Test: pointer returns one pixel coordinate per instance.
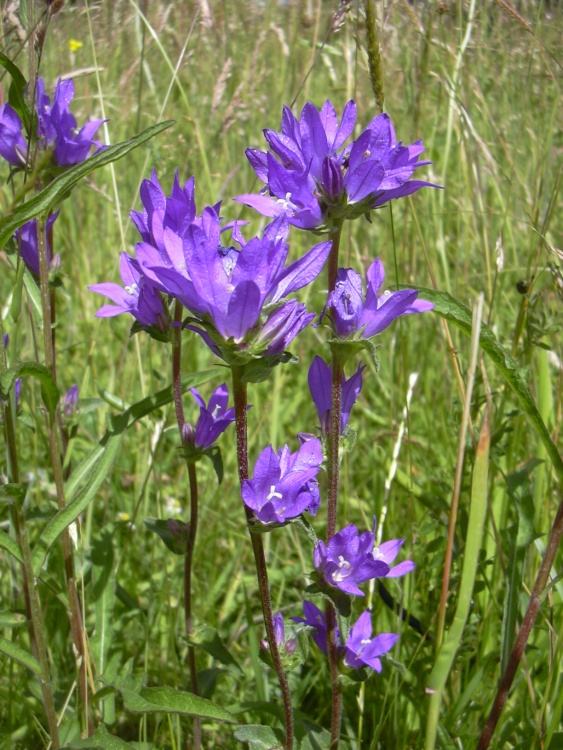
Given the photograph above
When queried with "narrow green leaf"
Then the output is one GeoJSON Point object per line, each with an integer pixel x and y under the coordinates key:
{"type": "Point", "coordinates": [11, 619]}
{"type": "Point", "coordinates": [10, 545]}
{"type": "Point", "coordinates": [103, 594]}
{"type": "Point", "coordinates": [18, 654]}
{"type": "Point", "coordinates": [46, 200]}
{"type": "Point", "coordinates": [449, 308]}
{"type": "Point", "coordinates": [49, 390]}
{"type": "Point", "coordinates": [259, 737]}
{"type": "Point", "coordinates": [17, 89]}
{"type": "Point", "coordinates": [168, 700]}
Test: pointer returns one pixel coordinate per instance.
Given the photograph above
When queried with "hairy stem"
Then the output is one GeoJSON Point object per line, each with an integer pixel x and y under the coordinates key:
{"type": "Point", "coordinates": [76, 625]}
{"type": "Point", "coordinates": [332, 268]}
{"type": "Point", "coordinates": [190, 544]}
{"type": "Point", "coordinates": [240, 399]}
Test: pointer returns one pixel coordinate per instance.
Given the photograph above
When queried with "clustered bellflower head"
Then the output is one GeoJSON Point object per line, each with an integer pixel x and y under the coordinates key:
{"type": "Point", "coordinates": [214, 418]}
{"type": "Point", "coordinates": [320, 385]}
{"type": "Point", "coordinates": [26, 239]}
{"type": "Point", "coordinates": [360, 649]}
{"type": "Point", "coordinates": [56, 129]}
{"type": "Point", "coordinates": [317, 179]}
{"type": "Point", "coordinates": [284, 484]}
{"type": "Point", "coordinates": [353, 317]}
{"type": "Point", "coordinates": [137, 296]}
{"type": "Point", "coordinates": [347, 560]}
{"type": "Point", "coordinates": [236, 295]}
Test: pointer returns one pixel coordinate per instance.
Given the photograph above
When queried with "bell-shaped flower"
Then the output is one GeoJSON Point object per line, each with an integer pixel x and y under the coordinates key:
{"type": "Point", "coordinates": [284, 485]}
{"type": "Point", "coordinates": [26, 238]}
{"type": "Point", "coordinates": [320, 385]}
{"type": "Point", "coordinates": [361, 650]}
{"type": "Point", "coordinates": [352, 315]}
{"type": "Point", "coordinates": [70, 401]}
{"type": "Point", "coordinates": [316, 620]}
{"type": "Point", "coordinates": [316, 180]}
{"type": "Point", "coordinates": [13, 147]}
{"type": "Point", "coordinates": [235, 293]}
{"type": "Point", "coordinates": [347, 560]}
{"type": "Point", "coordinates": [214, 418]}
{"type": "Point", "coordinates": [137, 296]}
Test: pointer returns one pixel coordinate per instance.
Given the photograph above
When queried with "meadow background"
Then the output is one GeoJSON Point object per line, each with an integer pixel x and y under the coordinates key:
{"type": "Point", "coordinates": [480, 82]}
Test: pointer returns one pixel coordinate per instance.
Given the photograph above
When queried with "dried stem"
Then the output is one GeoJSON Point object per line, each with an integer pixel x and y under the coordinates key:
{"type": "Point", "coordinates": [240, 399]}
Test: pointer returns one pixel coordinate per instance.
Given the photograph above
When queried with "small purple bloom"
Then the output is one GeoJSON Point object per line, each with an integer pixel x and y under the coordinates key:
{"type": "Point", "coordinates": [26, 238]}
{"type": "Point", "coordinates": [320, 385]}
{"type": "Point", "coordinates": [316, 180]}
{"type": "Point", "coordinates": [284, 484]}
{"type": "Point", "coordinates": [70, 401]}
{"type": "Point", "coordinates": [348, 561]}
{"type": "Point", "coordinates": [315, 619]}
{"type": "Point", "coordinates": [214, 418]}
{"type": "Point", "coordinates": [137, 296]}
{"type": "Point", "coordinates": [351, 315]}
{"type": "Point", "coordinates": [361, 650]}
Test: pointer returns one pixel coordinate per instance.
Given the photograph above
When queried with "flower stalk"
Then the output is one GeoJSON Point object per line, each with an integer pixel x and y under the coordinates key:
{"type": "Point", "coordinates": [241, 402]}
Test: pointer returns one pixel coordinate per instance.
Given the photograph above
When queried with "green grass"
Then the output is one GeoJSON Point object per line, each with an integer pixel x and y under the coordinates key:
{"type": "Point", "coordinates": [488, 114]}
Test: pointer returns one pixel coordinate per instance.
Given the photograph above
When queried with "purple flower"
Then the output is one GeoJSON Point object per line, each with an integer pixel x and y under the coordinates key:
{"type": "Point", "coordinates": [236, 294]}
{"type": "Point", "coordinates": [26, 238]}
{"type": "Point", "coordinates": [18, 383]}
{"type": "Point", "coordinates": [361, 650]}
{"type": "Point", "coordinates": [214, 418]}
{"type": "Point", "coordinates": [70, 401]}
{"type": "Point", "coordinates": [284, 484]}
{"type": "Point", "coordinates": [137, 296]}
{"type": "Point", "coordinates": [320, 385]}
{"type": "Point", "coordinates": [348, 561]}
{"type": "Point", "coordinates": [387, 552]}
{"type": "Point", "coordinates": [288, 646]}
{"type": "Point", "coordinates": [56, 129]}
{"type": "Point", "coordinates": [351, 315]}
{"type": "Point", "coordinates": [317, 180]}
{"type": "Point", "coordinates": [13, 147]}
{"type": "Point", "coordinates": [315, 619]}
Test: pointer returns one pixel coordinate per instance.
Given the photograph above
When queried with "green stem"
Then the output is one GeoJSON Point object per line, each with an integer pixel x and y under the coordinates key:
{"type": "Point", "coordinates": [240, 399]}
{"type": "Point", "coordinates": [76, 625]}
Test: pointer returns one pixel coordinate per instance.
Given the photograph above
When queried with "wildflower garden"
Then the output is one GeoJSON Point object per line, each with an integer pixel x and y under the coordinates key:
{"type": "Point", "coordinates": [281, 375]}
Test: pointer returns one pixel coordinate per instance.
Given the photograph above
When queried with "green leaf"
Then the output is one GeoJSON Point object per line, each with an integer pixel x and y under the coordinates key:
{"type": "Point", "coordinates": [49, 390]}
{"type": "Point", "coordinates": [167, 700]}
{"type": "Point", "coordinates": [10, 493]}
{"type": "Point", "coordinates": [18, 654]}
{"type": "Point", "coordinates": [260, 737]}
{"type": "Point", "coordinates": [449, 308]}
{"type": "Point", "coordinates": [173, 533]}
{"type": "Point", "coordinates": [11, 619]}
{"type": "Point", "coordinates": [208, 639]}
{"type": "Point", "coordinates": [46, 200]}
{"type": "Point", "coordinates": [100, 740]}
{"type": "Point", "coordinates": [10, 545]}
{"type": "Point", "coordinates": [17, 89]}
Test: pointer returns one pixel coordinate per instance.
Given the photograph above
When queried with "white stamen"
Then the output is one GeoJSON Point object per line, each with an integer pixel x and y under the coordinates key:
{"type": "Point", "coordinates": [131, 289]}
{"type": "Point", "coordinates": [273, 493]}
{"type": "Point", "coordinates": [343, 565]}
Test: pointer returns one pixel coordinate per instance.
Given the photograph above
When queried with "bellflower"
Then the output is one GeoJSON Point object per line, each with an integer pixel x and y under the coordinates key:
{"type": "Point", "coordinates": [137, 296]}
{"type": "Point", "coordinates": [387, 552]}
{"type": "Point", "coordinates": [285, 647]}
{"type": "Point", "coordinates": [70, 401]}
{"type": "Point", "coordinates": [236, 294]}
{"type": "Point", "coordinates": [26, 238]}
{"type": "Point", "coordinates": [317, 180]}
{"type": "Point", "coordinates": [284, 484]}
{"type": "Point", "coordinates": [214, 418]}
{"type": "Point", "coordinates": [316, 620]}
{"type": "Point", "coordinates": [56, 129]}
{"type": "Point", "coordinates": [320, 385]}
{"type": "Point", "coordinates": [351, 315]}
{"type": "Point", "coordinates": [361, 650]}
{"type": "Point", "coordinates": [347, 560]}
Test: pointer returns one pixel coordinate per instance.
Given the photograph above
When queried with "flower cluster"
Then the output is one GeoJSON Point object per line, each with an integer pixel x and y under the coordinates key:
{"type": "Point", "coordinates": [318, 179]}
{"type": "Point", "coordinates": [360, 649]}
